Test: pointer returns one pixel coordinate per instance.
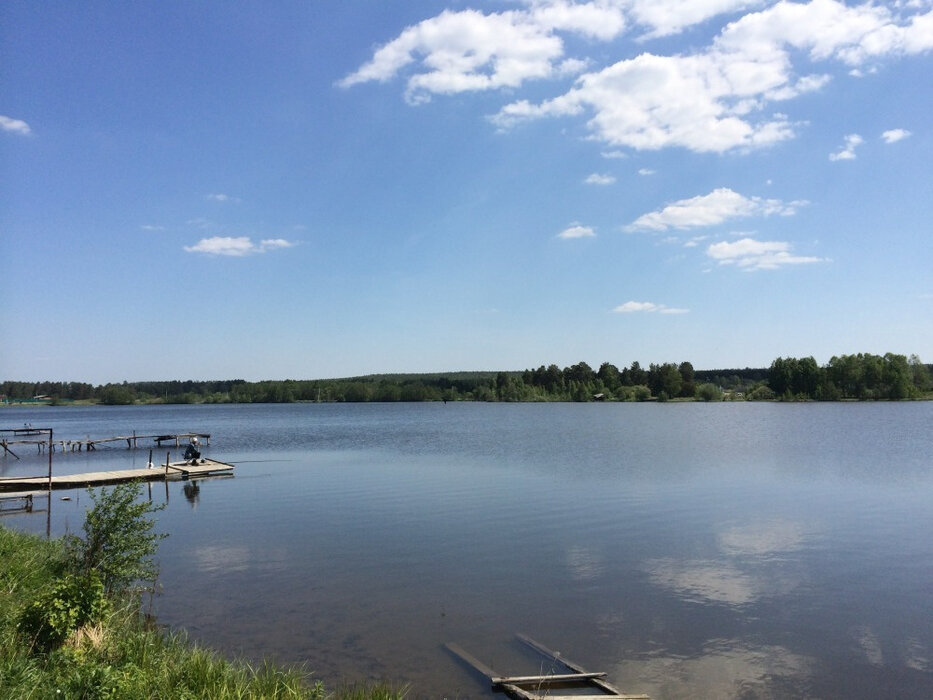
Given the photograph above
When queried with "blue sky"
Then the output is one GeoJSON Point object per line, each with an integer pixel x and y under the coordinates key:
{"type": "Point", "coordinates": [320, 189]}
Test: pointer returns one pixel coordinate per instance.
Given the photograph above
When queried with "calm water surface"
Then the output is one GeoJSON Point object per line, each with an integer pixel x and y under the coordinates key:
{"type": "Point", "coordinates": [689, 550]}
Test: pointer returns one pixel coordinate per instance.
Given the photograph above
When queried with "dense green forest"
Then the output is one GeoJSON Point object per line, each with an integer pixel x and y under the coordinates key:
{"type": "Point", "coordinates": [862, 377]}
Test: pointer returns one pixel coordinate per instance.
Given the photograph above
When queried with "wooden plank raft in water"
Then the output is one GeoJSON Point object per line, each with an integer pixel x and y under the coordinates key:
{"type": "Point", "coordinates": [159, 472]}
{"type": "Point", "coordinates": [542, 687]}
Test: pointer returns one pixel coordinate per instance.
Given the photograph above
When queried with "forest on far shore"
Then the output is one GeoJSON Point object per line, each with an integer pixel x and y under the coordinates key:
{"type": "Point", "coordinates": [861, 377]}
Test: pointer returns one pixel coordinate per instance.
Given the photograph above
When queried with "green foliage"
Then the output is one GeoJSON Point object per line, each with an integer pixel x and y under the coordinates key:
{"type": "Point", "coordinates": [116, 395]}
{"type": "Point", "coordinates": [760, 393]}
{"type": "Point", "coordinates": [708, 392]}
{"type": "Point", "coordinates": [862, 376]}
{"type": "Point", "coordinates": [72, 602]}
{"type": "Point", "coordinates": [688, 379]}
{"type": "Point", "coordinates": [665, 379]}
{"type": "Point", "coordinates": [119, 541]}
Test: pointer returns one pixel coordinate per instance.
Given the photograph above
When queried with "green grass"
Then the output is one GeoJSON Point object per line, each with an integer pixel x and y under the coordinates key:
{"type": "Point", "coordinates": [121, 656]}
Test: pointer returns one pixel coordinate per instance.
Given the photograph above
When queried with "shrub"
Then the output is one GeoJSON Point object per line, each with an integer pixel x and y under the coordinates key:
{"type": "Point", "coordinates": [641, 392]}
{"type": "Point", "coordinates": [761, 393]}
{"type": "Point", "coordinates": [72, 602]}
{"type": "Point", "coordinates": [118, 539]}
{"type": "Point", "coordinates": [709, 392]}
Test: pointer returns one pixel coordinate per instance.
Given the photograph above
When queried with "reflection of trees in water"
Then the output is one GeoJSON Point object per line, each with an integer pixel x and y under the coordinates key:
{"type": "Point", "coordinates": [192, 492]}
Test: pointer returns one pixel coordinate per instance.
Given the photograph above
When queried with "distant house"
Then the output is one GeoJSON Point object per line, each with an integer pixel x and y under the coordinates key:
{"type": "Point", "coordinates": [599, 397]}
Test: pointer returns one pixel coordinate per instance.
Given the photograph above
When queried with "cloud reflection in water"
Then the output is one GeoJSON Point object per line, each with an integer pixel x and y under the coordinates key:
{"type": "Point", "coordinates": [752, 565]}
{"type": "Point", "coordinates": [723, 669]}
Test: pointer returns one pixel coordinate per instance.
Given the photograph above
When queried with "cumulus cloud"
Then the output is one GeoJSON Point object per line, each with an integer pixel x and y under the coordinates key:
{"type": "Point", "coordinates": [598, 179]}
{"type": "Point", "coordinates": [847, 152]}
{"type": "Point", "coordinates": [645, 171]}
{"type": "Point", "coordinates": [632, 307]}
{"type": "Point", "coordinates": [462, 51]}
{"type": "Point", "coordinates": [714, 100]}
{"type": "Point", "coordinates": [666, 17]}
{"type": "Point", "coordinates": [895, 135]}
{"type": "Point", "coordinates": [238, 246]}
{"type": "Point", "coordinates": [469, 51]}
{"type": "Point", "coordinates": [699, 102]}
{"type": "Point", "coordinates": [750, 254]}
{"type": "Point", "coordinates": [717, 207]}
{"type": "Point", "coordinates": [577, 231]}
{"type": "Point", "coordinates": [14, 126]}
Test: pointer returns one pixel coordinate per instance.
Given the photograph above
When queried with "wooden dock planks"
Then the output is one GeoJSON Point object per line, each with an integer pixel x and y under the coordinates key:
{"type": "Point", "coordinates": [542, 687]}
{"type": "Point", "coordinates": [132, 441]}
{"type": "Point", "coordinates": [160, 472]}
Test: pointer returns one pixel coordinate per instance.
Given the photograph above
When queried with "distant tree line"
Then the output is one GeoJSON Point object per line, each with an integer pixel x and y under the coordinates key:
{"type": "Point", "coordinates": [862, 376]}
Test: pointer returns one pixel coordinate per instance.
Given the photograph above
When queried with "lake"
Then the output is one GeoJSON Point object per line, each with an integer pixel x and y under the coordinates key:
{"type": "Point", "coordinates": [728, 550]}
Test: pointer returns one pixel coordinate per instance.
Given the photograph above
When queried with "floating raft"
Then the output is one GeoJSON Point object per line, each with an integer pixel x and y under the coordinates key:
{"type": "Point", "coordinates": [171, 471]}
{"type": "Point", "coordinates": [542, 687]}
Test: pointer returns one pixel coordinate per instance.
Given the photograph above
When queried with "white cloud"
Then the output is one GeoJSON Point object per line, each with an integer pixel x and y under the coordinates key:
{"type": "Point", "coordinates": [631, 307]}
{"type": "Point", "coordinates": [598, 179]}
{"type": "Point", "coordinates": [602, 20]}
{"type": "Point", "coordinates": [895, 135]}
{"type": "Point", "coordinates": [238, 246]}
{"type": "Point", "coordinates": [749, 254]}
{"type": "Point", "coordinates": [14, 126]}
{"type": "Point", "coordinates": [471, 51]}
{"type": "Point", "coordinates": [848, 150]}
{"type": "Point", "coordinates": [667, 17]}
{"type": "Point", "coordinates": [712, 209]}
{"type": "Point", "coordinates": [645, 171]}
{"type": "Point", "coordinates": [273, 243]}
{"type": "Point", "coordinates": [152, 227]}
{"type": "Point", "coordinates": [714, 100]}
{"type": "Point", "coordinates": [220, 197]}
{"type": "Point", "coordinates": [700, 102]}
{"type": "Point", "coordinates": [831, 29]}
{"type": "Point", "coordinates": [577, 231]}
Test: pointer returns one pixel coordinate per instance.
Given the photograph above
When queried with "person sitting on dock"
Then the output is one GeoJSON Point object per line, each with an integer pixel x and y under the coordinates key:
{"type": "Point", "coordinates": [192, 454]}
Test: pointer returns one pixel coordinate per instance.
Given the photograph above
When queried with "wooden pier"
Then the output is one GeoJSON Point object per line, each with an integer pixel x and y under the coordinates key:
{"type": "Point", "coordinates": [542, 686]}
{"type": "Point", "coordinates": [21, 502]}
{"type": "Point", "coordinates": [132, 441]}
{"type": "Point", "coordinates": [169, 471]}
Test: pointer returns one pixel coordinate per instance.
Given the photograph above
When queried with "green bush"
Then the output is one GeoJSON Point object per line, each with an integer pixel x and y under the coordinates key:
{"type": "Point", "coordinates": [119, 541]}
{"type": "Point", "coordinates": [709, 392]}
{"type": "Point", "coordinates": [641, 392]}
{"type": "Point", "coordinates": [761, 393]}
{"type": "Point", "coordinates": [72, 602]}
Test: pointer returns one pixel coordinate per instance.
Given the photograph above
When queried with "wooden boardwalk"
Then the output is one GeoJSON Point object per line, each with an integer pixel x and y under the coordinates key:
{"type": "Point", "coordinates": [160, 472]}
{"type": "Point", "coordinates": [543, 686]}
{"type": "Point", "coordinates": [89, 444]}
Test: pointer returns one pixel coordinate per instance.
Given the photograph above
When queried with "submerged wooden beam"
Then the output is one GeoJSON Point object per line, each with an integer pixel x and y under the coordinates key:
{"type": "Point", "coordinates": [550, 678]}
{"type": "Point", "coordinates": [544, 683]}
